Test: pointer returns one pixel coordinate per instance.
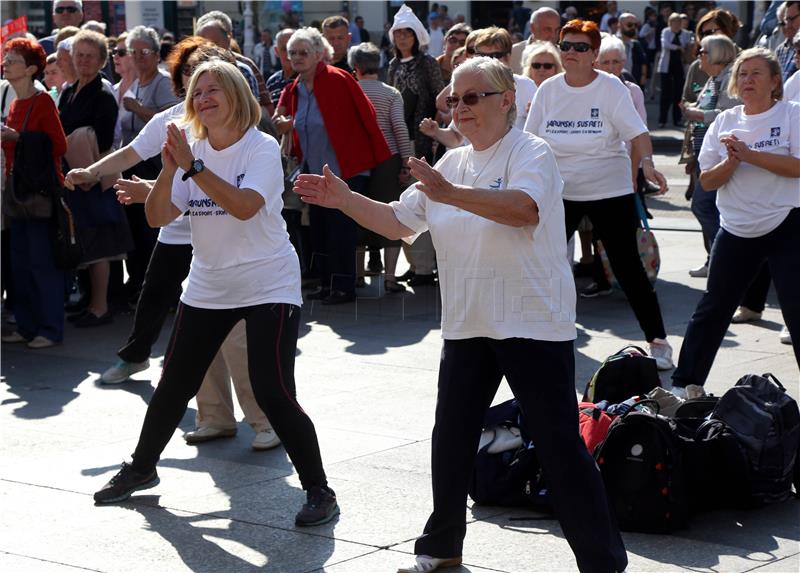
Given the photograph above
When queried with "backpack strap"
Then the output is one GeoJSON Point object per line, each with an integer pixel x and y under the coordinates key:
{"type": "Point", "coordinates": [771, 377]}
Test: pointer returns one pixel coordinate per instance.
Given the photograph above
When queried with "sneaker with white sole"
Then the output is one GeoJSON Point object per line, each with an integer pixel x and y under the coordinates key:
{"type": "Point", "coordinates": [122, 370]}
{"type": "Point", "coordinates": [426, 564]}
{"type": "Point", "coordinates": [594, 290]}
{"type": "Point", "coordinates": [744, 314]}
{"type": "Point", "coordinates": [785, 336]}
{"type": "Point", "coordinates": [127, 481]}
{"type": "Point", "coordinates": [266, 440]}
{"type": "Point", "coordinates": [662, 352]}
{"type": "Point", "coordinates": [14, 337]}
{"type": "Point", "coordinates": [688, 392]}
{"type": "Point", "coordinates": [207, 434]}
{"type": "Point", "coordinates": [41, 342]}
{"type": "Point", "coordinates": [699, 272]}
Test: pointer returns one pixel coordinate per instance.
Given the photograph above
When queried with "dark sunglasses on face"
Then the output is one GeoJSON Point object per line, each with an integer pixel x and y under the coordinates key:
{"type": "Point", "coordinates": [471, 98]}
{"type": "Point", "coordinates": [579, 47]}
{"type": "Point", "coordinates": [710, 31]}
{"type": "Point", "coordinates": [143, 51]}
{"type": "Point", "coordinates": [537, 66]}
{"type": "Point", "coordinates": [121, 52]}
{"type": "Point", "coordinates": [67, 9]}
{"type": "Point", "coordinates": [495, 55]}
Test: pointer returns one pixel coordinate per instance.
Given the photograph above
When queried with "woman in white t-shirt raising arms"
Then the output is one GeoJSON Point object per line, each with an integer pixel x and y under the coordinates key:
{"type": "Point", "coordinates": [586, 116]}
{"type": "Point", "coordinates": [495, 215]}
{"type": "Point", "coordinates": [751, 156]}
{"type": "Point", "coordinates": [230, 180]}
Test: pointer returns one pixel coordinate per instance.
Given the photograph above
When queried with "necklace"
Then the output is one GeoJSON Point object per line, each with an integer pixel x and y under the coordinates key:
{"type": "Point", "coordinates": [478, 176]}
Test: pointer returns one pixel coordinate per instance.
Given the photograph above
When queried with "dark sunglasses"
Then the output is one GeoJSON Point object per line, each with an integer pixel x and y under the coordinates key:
{"type": "Point", "coordinates": [495, 55]}
{"type": "Point", "coordinates": [579, 47]}
{"type": "Point", "coordinates": [709, 32]}
{"type": "Point", "coordinates": [67, 9]}
{"type": "Point", "coordinates": [300, 53]}
{"type": "Point", "coordinates": [471, 98]}
{"type": "Point", "coordinates": [121, 52]}
{"type": "Point", "coordinates": [538, 66]}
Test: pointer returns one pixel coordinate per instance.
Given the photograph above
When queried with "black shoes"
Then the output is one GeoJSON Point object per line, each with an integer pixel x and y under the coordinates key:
{"type": "Point", "coordinates": [127, 481]}
{"type": "Point", "coordinates": [90, 319]}
{"type": "Point", "coordinates": [422, 280]}
{"type": "Point", "coordinates": [339, 297]}
{"type": "Point", "coordinates": [320, 507]}
{"type": "Point", "coordinates": [318, 293]}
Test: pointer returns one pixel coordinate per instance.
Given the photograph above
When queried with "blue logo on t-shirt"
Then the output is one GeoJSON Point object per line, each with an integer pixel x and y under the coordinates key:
{"type": "Point", "coordinates": [775, 132]}
{"type": "Point", "coordinates": [496, 184]}
{"type": "Point", "coordinates": [239, 179]}
{"type": "Point", "coordinates": [595, 113]}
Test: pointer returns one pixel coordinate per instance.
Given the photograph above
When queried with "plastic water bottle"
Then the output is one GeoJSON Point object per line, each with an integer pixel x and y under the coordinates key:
{"type": "Point", "coordinates": [54, 93]}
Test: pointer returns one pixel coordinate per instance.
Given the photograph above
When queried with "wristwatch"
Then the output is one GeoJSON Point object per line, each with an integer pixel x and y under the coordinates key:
{"type": "Point", "coordinates": [197, 167]}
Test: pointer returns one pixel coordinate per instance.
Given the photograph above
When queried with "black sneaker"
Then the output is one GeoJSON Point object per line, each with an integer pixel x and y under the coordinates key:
{"type": "Point", "coordinates": [320, 507]}
{"type": "Point", "coordinates": [595, 290]}
{"type": "Point", "coordinates": [122, 485]}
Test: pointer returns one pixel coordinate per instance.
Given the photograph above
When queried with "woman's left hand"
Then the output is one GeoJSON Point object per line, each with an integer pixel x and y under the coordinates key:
{"type": "Point", "coordinates": [431, 182]}
{"type": "Point", "coordinates": [178, 147]}
{"type": "Point", "coordinates": [653, 176]}
{"type": "Point", "coordinates": [737, 149]}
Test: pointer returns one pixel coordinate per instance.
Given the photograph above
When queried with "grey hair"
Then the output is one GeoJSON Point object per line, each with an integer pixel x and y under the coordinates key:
{"type": "Point", "coordinates": [720, 49]}
{"type": "Point", "coordinates": [365, 57]}
{"type": "Point", "coordinates": [215, 17]}
{"type": "Point", "coordinates": [90, 37]}
{"type": "Point", "coordinates": [609, 44]}
{"type": "Point", "coordinates": [78, 4]}
{"type": "Point", "coordinates": [498, 75]}
{"type": "Point", "coordinates": [314, 39]}
{"type": "Point", "coordinates": [283, 33]}
{"type": "Point", "coordinates": [95, 26]}
{"type": "Point", "coordinates": [144, 34]}
{"type": "Point", "coordinates": [536, 48]}
{"type": "Point", "coordinates": [543, 11]}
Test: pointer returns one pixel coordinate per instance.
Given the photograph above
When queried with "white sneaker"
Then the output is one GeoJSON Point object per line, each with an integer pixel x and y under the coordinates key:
{"type": "Point", "coordinates": [41, 342]}
{"type": "Point", "coordinates": [122, 370]}
{"type": "Point", "coordinates": [426, 563]}
{"type": "Point", "coordinates": [699, 272]}
{"type": "Point", "coordinates": [689, 392]}
{"type": "Point", "coordinates": [785, 337]}
{"type": "Point", "coordinates": [266, 440]}
{"type": "Point", "coordinates": [207, 434]}
{"type": "Point", "coordinates": [662, 352]}
{"type": "Point", "coordinates": [744, 314]}
{"type": "Point", "coordinates": [678, 391]}
{"type": "Point", "coordinates": [14, 337]}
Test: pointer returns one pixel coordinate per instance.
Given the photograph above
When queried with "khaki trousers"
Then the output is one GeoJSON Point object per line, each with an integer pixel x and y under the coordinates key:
{"type": "Point", "coordinates": [421, 254]}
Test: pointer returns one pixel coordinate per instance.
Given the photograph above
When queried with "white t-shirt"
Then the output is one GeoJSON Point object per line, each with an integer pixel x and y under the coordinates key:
{"type": "Point", "coordinates": [148, 143]}
{"type": "Point", "coordinates": [791, 89]}
{"type": "Point", "coordinates": [526, 89]}
{"type": "Point", "coordinates": [755, 201]}
{"type": "Point", "coordinates": [239, 263]}
{"type": "Point", "coordinates": [587, 129]}
{"type": "Point", "coordinates": [499, 281]}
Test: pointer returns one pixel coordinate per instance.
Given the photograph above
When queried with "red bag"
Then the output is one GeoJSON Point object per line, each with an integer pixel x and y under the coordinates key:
{"type": "Point", "coordinates": [594, 424]}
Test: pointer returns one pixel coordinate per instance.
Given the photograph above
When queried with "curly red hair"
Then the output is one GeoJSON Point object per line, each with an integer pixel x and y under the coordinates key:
{"type": "Point", "coordinates": [31, 52]}
{"type": "Point", "coordinates": [585, 27]}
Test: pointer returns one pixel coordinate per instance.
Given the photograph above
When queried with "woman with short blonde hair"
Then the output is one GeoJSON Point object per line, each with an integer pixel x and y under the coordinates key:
{"type": "Point", "coordinates": [243, 268]}
{"type": "Point", "coordinates": [546, 56]}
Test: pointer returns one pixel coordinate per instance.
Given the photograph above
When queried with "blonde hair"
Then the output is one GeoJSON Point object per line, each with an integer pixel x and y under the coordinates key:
{"type": "Point", "coordinates": [245, 111]}
{"type": "Point", "coordinates": [494, 36]}
{"type": "Point", "coordinates": [536, 48]}
{"type": "Point", "coordinates": [94, 38]}
{"type": "Point", "coordinates": [772, 64]}
{"type": "Point", "coordinates": [498, 75]}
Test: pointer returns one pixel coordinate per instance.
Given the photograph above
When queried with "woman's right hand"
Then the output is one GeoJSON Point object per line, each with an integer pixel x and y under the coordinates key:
{"type": "Point", "coordinates": [326, 190]}
{"type": "Point", "coordinates": [168, 163]}
{"type": "Point", "coordinates": [79, 177]}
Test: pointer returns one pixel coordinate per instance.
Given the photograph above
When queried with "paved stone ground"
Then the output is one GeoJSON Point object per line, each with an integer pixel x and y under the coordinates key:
{"type": "Point", "coordinates": [367, 375]}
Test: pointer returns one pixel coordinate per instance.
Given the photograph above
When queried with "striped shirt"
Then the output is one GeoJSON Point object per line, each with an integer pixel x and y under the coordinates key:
{"type": "Point", "coordinates": [388, 104]}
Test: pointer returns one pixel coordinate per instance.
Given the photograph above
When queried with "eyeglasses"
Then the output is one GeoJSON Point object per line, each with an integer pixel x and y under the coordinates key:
{"type": "Point", "coordinates": [120, 52]}
{"type": "Point", "coordinates": [495, 55]}
{"type": "Point", "coordinates": [471, 98]}
{"type": "Point", "coordinates": [7, 61]}
{"type": "Point", "coordinates": [454, 39]}
{"type": "Point", "coordinates": [788, 20]}
{"type": "Point", "coordinates": [709, 32]}
{"type": "Point", "coordinates": [538, 66]}
{"type": "Point", "coordinates": [299, 53]}
{"type": "Point", "coordinates": [579, 47]}
{"type": "Point", "coordinates": [67, 9]}
{"type": "Point", "coordinates": [143, 51]}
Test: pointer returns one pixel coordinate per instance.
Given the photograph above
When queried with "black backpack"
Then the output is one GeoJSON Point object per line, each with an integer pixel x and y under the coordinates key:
{"type": "Point", "coordinates": [766, 422]}
{"type": "Point", "coordinates": [642, 467]}
{"type": "Point", "coordinates": [629, 372]}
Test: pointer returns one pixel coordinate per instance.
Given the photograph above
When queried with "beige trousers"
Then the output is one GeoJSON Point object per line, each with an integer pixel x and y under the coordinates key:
{"type": "Point", "coordinates": [214, 400]}
{"type": "Point", "coordinates": [421, 254]}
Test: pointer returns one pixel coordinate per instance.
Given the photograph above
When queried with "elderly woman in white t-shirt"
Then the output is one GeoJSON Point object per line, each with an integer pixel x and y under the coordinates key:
{"type": "Point", "coordinates": [751, 156]}
{"type": "Point", "coordinates": [587, 116]}
{"type": "Point", "coordinates": [230, 180]}
{"type": "Point", "coordinates": [496, 218]}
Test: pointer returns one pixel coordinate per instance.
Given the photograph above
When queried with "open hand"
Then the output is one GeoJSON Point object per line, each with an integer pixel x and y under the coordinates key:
{"type": "Point", "coordinates": [178, 147]}
{"type": "Point", "coordinates": [431, 182]}
{"type": "Point", "coordinates": [428, 127]}
{"type": "Point", "coordinates": [133, 190]}
{"type": "Point", "coordinates": [326, 190]}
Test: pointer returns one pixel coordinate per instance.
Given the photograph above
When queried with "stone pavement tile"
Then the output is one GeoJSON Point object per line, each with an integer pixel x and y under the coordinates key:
{"type": "Point", "coordinates": [387, 561]}
{"type": "Point", "coordinates": [789, 564]}
{"type": "Point", "coordinates": [138, 537]}
{"type": "Point", "coordinates": [22, 564]}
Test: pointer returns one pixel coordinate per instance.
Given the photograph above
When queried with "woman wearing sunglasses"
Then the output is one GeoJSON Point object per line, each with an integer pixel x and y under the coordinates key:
{"type": "Point", "coordinates": [540, 61]}
{"type": "Point", "coordinates": [494, 211]}
{"type": "Point", "coordinates": [123, 67]}
{"type": "Point", "coordinates": [586, 116]}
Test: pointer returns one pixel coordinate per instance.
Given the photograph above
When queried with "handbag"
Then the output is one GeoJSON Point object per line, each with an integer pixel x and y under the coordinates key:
{"type": "Point", "coordinates": [648, 248]}
{"type": "Point", "coordinates": [64, 240]}
{"type": "Point", "coordinates": [291, 170]}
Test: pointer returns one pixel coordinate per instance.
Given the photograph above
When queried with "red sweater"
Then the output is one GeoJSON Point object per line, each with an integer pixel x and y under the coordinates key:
{"type": "Point", "coordinates": [349, 119]}
{"type": "Point", "coordinates": [44, 117]}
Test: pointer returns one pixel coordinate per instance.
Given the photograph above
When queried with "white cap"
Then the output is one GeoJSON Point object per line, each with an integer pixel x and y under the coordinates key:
{"type": "Point", "coordinates": [405, 18]}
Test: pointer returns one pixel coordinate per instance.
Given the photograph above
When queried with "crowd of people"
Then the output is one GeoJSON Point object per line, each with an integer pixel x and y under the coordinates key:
{"type": "Point", "coordinates": [237, 188]}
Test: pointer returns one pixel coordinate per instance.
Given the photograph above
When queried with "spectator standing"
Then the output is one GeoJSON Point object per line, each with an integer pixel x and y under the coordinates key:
{"type": "Point", "coordinates": [791, 89]}
{"type": "Point", "coordinates": [282, 77]}
{"type": "Point", "coordinates": [53, 78]}
{"type": "Point", "coordinates": [611, 12]}
{"type": "Point", "coordinates": [436, 34]}
{"type": "Point", "coordinates": [543, 27]}
{"type": "Point", "coordinates": [789, 25]}
{"type": "Point", "coordinates": [455, 38]}
{"type": "Point", "coordinates": [123, 66]}
{"type": "Point", "coordinates": [336, 30]}
{"type": "Point", "coordinates": [363, 33]}
{"type": "Point", "coordinates": [541, 61]}
{"type": "Point", "coordinates": [264, 55]}
{"type": "Point", "coordinates": [65, 13]}
{"type": "Point", "coordinates": [635, 56]}
{"type": "Point", "coordinates": [519, 18]}
{"type": "Point", "coordinates": [674, 40]}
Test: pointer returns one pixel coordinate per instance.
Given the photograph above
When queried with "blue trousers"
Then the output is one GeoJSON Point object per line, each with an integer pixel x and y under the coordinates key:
{"type": "Point", "coordinates": [734, 263]}
{"type": "Point", "coordinates": [38, 284]}
{"type": "Point", "coordinates": [704, 207]}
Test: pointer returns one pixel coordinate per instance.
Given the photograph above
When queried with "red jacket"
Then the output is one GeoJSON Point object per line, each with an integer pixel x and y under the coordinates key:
{"type": "Point", "coordinates": [349, 119]}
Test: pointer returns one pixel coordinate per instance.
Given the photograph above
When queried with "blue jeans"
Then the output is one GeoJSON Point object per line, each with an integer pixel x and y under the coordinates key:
{"type": "Point", "coordinates": [704, 207]}
{"type": "Point", "coordinates": [734, 263]}
{"type": "Point", "coordinates": [38, 284]}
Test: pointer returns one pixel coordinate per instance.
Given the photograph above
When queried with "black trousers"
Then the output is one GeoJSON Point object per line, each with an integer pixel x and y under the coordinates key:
{"type": "Point", "coordinates": [271, 346]}
{"type": "Point", "coordinates": [671, 90]}
{"type": "Point", "coordinates": [542, 376]}
{"type": "Point", "coordinates": [169, 265]}
{"type": "Point", "coordinates": [734, 263]}
{"type": "Point", "coordinates": [334, 237]}
{"type": "Point", "coordinates": [615, 221]}
{"type": "Point", "coordinates": [145, 238]}
{"type": "Point", "coordinates": [755, 298]}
